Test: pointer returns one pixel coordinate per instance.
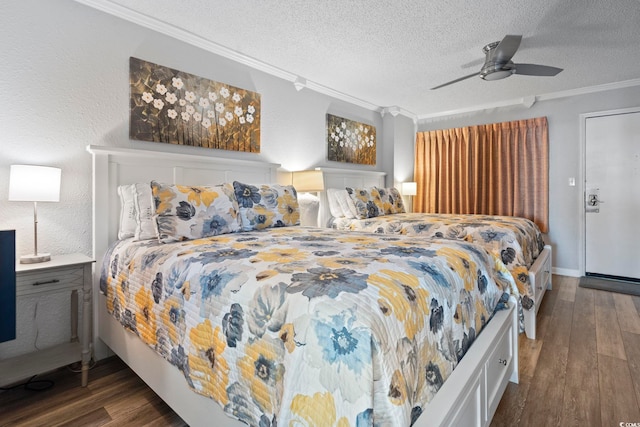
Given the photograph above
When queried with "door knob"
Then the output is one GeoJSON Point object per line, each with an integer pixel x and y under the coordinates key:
{"type": "Point", "coordinates": [593, 200]}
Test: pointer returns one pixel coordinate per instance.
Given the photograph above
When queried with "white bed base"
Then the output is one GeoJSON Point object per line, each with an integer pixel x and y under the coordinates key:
{"type": "Point", "coordinates": [469, 397]}
{"type": "Point", "coordinates": [540, 279]}
{"type": "Point", "coordinates": [539, 273]}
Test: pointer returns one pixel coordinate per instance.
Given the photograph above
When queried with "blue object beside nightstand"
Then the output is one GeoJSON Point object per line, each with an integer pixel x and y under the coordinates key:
{"type": "Point", "coordinates": [7, 285]}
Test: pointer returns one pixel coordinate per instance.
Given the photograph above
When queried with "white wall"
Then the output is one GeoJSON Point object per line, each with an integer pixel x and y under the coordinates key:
{"type": "Point", "coordinates": [65, 81]}
{"type": "Point", "coordinates": [565, 150]}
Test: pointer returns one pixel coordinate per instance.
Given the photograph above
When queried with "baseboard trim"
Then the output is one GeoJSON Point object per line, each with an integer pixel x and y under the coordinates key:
{"type": "Point", "coordinates": [566, 272]}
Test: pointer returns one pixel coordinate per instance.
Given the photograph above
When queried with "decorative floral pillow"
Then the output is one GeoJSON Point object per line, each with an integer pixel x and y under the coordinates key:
{"type": "Point", "coordinates": [269, 205]}
{"type": "Point", "coordinates": [391, 200]}
{"type": "Point", "coordinates": [367, 202]}
{"type": "Point", "coordinates": [184, 213]}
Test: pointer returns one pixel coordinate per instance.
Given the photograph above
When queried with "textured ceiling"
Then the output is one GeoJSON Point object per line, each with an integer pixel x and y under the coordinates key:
{"type": "Point", "coordinates": [390, 53]}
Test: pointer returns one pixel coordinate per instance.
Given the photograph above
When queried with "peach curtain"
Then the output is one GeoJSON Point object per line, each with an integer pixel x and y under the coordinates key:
{"type": "Point", "coordinates": [492, 169]}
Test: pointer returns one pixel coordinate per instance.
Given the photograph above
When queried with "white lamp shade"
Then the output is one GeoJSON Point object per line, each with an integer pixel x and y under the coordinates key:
{"type": "Point", "coordinates": [28, 183]}
{"type": "Point", "coordinates": [409, 189]}
{"type": "Point", "coordinates": [308, 181]}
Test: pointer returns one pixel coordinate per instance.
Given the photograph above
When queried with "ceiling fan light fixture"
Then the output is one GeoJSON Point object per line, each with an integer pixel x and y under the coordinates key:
{"type": "Point", "coordinates": [496, 75]}
{"type": "Point", "coordinates": [497, 71]}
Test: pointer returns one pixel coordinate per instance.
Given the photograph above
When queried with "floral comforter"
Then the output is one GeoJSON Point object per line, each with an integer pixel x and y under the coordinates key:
{"type": "Point", "coordinates": [311, 326]}
{"type": "Point", "coordinates": [517, 241]}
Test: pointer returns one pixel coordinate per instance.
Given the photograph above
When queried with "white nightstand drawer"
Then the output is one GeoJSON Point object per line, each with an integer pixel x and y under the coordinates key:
{"type": "Point", "coordinates": [52, 280]}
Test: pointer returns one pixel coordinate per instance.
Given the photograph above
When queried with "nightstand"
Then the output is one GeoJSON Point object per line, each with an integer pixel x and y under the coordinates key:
{"type": "Point", "coordinates": [63, 273]}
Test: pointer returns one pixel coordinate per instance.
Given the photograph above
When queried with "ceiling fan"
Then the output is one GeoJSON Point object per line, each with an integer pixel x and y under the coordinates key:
{"type": "Point", "coordinates": [498, 64]}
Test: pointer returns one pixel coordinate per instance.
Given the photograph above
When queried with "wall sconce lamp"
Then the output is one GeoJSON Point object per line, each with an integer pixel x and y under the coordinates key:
{"type": "Point", "coordinates": [35, 184]}
{"type": "Point", "coordinates": [409, 189]}
{"type": "Point", "coordinates": [306, 182]}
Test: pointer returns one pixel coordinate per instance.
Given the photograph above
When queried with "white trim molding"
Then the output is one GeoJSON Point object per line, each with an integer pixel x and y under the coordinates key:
{"type": "Point", "coordinates": [528, 101]}
{"type": "Point", "coordinates": [566, 272]}
{"type": "Point", "coordinates": [195, 40]}
{"type": "Point", "coordinates": [299, 82]}
{"type": "Point", "coordinates": [582, 241]}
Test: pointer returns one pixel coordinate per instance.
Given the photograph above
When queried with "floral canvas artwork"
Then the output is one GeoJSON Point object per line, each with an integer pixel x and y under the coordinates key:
{"type": "Point", "coordinates": [175, 107]}
{"type": "Point", "coordinates": [350, 141]}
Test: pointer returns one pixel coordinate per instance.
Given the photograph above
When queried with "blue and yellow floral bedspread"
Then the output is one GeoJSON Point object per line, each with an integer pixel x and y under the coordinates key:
{"type": "Point", "coordinates": [517, 241]}
{"type": "Point", "coordinates": [310, 326]}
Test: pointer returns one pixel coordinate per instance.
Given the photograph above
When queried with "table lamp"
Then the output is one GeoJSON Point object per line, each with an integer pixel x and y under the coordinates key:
{"type": "Point", "coordinates": [30, 183]}
{"type": "Point", "coordinates": [409, 189]}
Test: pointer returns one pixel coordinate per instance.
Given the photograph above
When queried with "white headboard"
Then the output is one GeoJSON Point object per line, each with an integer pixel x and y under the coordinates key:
{"type": "Point", "coordinates": [117, 166]}
{"type": "Point", "coordinates": [341, 178]}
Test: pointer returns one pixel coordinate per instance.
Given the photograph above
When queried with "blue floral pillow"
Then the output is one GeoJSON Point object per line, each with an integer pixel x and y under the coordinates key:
{"type": "Point", "coordinates": [184, 213]}
{"type": "Point", "coordinates": [391, 200]}
{"type": "Point", "coordinates": [269, 205]}
{"type": "Point", "coordinates": [367, 202]}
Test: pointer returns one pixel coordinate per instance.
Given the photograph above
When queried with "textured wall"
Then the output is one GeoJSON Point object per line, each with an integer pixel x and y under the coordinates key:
{"type": "Point", "coordinates": [65, 76]}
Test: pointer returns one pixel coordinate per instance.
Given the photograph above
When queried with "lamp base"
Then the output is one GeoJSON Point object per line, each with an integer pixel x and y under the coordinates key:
{"type": "Point", "coordinates": [33, 259]}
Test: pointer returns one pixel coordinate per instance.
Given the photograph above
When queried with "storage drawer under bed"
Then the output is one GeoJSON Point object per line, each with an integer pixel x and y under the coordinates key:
{"type": "Point", "coordinates": [497, 368]}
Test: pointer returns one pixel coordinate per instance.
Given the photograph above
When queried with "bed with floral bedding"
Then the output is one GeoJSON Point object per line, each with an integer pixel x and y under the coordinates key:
{"type": "Point", "coordinates": [517, 241]}
{"type": "Point", "coordinates": [297, 325]}
{"type": "Point", "coordinates": [216, 289]}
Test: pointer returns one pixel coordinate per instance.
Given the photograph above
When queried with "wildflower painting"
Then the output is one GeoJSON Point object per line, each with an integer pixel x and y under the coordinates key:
{"type": "Point", "coordinates": [351, 142]}
{"type": "Point", "coordinates": [175, 107]}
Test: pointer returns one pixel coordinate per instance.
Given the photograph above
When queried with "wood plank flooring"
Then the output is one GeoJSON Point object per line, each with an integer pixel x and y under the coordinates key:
{"type": "Point", "coordinates": [115, 396]}
{"type": "Point", "coordinates": [583, 370]}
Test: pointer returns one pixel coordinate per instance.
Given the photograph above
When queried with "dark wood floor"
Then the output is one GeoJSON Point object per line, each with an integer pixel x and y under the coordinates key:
{"type": "Point", "coordinates": [583, 370]}
{"type": "Point", "coordinates": [115, 396]}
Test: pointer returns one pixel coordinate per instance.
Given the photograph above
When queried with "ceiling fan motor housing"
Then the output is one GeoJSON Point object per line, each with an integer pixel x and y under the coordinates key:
{"type": "Point", "coordinates": [495, 70]}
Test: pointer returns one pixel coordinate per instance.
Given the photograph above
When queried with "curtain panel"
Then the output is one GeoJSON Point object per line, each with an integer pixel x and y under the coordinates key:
{"type": "Point", "coordinates": [491, 169]}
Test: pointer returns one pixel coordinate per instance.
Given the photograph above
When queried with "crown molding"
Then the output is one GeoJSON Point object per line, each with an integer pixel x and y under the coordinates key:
{"type": "Point", "coordinates": [300, 83]}
{"type": "Point", "coordinates": [590, 89]}
{"type": "Point", "coordinates": [167, 29]}
{"type": "Point", "coordinates": [395, 110]}
{"type": "Point", "coordinates": [528, 101]}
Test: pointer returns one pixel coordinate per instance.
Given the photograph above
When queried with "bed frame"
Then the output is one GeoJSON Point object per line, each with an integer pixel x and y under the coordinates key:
{"type": "Point", "coordinates": [539, 273]}
{"type": "Point", "coordinates": [470, 395]}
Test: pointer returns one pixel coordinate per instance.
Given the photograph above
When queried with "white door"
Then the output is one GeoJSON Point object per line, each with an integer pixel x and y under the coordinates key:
{"type": "Point", "coordinates": [612, 196]}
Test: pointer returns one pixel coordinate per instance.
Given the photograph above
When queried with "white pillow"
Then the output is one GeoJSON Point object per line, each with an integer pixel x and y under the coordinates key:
{"type": "Point", "coordinates": [309, 206]}
{"type": "Point", "coordinates": [347, 205]}
{"type": "Point", "coordinates": [145, 213]}
{"type": "Point", "coordinates": [127, 211]}
{"type": "Point", "coordinates": [334, 205]}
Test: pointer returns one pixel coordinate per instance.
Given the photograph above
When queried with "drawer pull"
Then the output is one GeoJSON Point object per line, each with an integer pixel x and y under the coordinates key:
{"type": "Point", "coordinates": [46, 283]}
{"type": "Point", "coordinates": [502, 362]}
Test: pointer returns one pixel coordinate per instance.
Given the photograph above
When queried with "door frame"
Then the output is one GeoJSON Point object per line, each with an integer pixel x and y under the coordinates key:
{"type": "Point", "coordinates": [582, 264]}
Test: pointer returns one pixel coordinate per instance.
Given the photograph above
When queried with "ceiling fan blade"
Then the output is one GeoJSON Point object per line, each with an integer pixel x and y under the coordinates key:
{"type": "Point", "coordinates": [506, 49]}
{"type": "Point", "coordinates": [537, 70]}
{"type": "Point", "coordinates": [455, 81]}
